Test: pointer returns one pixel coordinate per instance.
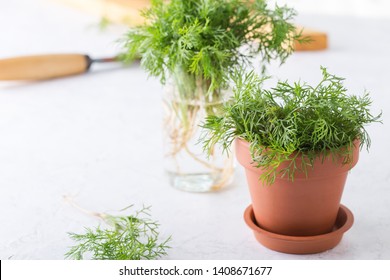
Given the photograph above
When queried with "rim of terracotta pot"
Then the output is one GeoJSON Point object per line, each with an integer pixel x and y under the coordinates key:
{"type": "Point", "coordinates": [301, 244]}
{"type": "Point", "coordinates": [299, 174]}
{"type": "Point", "coordinates": [246, 143]}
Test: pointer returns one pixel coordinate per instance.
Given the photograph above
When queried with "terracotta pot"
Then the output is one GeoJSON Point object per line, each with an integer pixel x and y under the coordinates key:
{"type": "Point", "coordinates": [306, 206]}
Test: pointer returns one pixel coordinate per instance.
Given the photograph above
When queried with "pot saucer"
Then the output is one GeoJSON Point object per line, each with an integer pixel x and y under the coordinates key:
{"type": "Point", "coordinates": [301, 244]}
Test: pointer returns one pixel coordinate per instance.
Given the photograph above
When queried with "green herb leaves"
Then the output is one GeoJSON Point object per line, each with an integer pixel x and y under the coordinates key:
{"type": "Point", "coordinates": [205, 37]}
{"type": "Point", "coordinates": [128, 238]}
{"type": "Point", "coordinates": [291, 120]}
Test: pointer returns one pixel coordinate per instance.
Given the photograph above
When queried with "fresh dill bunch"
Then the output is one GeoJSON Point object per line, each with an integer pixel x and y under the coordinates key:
{"type": "Point", "coordinates": [291, 120]}
{"type": "Point", "coordinates": [205, 38]}
{"type": "Point", "coordinates": [133, 237]}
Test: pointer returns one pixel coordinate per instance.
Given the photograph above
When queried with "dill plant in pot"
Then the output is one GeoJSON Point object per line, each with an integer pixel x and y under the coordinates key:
{"type": "Point", "coordinates": [297, 143]}
{"type": "Point", "coordinates": [193, 46]}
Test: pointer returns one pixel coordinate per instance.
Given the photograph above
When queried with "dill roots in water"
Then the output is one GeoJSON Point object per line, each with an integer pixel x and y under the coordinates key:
{"type": "Point", "coordinates": [291, 120]}
{"type": "Point", "coordinates": [127, 238]}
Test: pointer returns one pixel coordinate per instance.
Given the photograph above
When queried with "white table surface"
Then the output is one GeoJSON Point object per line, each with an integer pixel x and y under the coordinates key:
{"type": "Point", "coordinates": [96, 138]}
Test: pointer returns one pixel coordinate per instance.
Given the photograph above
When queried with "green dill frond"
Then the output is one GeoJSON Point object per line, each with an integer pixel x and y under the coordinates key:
{"type": "Point", "coordinates": [126, 238]}
{"type": "Point", "coordinates": [205, 37]}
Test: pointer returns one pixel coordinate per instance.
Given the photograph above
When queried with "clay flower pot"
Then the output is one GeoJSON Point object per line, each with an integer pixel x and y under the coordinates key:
{"type": "Point", "coordinates": [307, 206]}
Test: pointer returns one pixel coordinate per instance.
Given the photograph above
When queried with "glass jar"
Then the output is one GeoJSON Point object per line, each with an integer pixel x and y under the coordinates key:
{"type": "Point", "coordinates": [188, 100]}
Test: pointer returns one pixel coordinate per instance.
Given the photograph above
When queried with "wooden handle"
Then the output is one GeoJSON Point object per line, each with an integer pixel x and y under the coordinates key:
{"type": "Point", "coordinates": [318, 40]}
{"type": "Point", "coordinates": [43, 67]}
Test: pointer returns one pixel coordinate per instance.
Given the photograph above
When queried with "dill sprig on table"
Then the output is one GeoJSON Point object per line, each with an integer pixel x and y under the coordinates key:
{"type": "Point", "coordinates": [133, 237]}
